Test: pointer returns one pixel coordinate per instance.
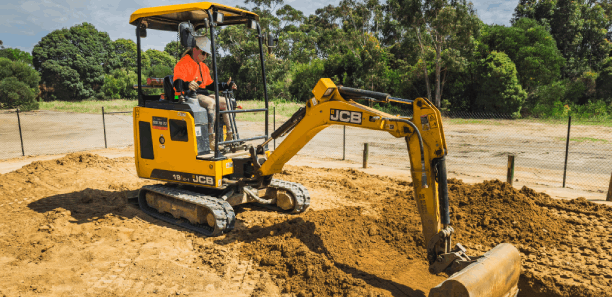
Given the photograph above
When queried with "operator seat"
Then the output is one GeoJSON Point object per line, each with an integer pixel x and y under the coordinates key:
{"type": "Point", "coordinates": [169, 88]}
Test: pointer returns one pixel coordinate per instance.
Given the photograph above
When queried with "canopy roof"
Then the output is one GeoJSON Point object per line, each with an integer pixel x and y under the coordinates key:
{"type": "Point", "coordinates": [168, 17]}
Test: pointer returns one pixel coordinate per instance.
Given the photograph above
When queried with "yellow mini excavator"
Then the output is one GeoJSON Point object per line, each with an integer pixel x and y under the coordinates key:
{"type": "Point", "coordinates": [203, 184]}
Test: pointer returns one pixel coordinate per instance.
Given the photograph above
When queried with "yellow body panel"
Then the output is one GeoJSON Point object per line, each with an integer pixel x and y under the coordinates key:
{"type": "Point", "coordinates": [173, 11]}
{"type": "Point", "coordinates": [176, 156]}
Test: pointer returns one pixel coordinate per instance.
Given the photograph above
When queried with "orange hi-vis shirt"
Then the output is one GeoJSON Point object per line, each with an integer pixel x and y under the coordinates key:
{"type": "Point", "coordinates": [187, 69]}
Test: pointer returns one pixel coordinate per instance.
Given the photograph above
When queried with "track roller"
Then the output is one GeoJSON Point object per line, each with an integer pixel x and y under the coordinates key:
{"type": "Point", "coordinates": [204, 214]}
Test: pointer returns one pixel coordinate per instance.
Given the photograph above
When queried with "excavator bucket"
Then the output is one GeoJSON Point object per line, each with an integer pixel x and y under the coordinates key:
{"type": "Point", "coordinates": [495, 274]}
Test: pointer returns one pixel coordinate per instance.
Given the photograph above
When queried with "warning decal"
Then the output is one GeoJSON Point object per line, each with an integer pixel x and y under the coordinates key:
{"type": "Point", "coordinates": [160, 123]}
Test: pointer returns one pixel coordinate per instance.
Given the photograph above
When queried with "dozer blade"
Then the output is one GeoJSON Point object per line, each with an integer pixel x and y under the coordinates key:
{"type": "Point", "coordinates": [495, 274]}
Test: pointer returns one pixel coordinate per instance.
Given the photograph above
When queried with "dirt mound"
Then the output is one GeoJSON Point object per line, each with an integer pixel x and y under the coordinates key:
{"type": "Point", "coordinates": [493, 212]}
{"type": "Point", "coordinates": [42, 178]}
{"type": "Point", "coordinates": [547, 232]}
{"type": "Point", "coordinates": [67, 229]}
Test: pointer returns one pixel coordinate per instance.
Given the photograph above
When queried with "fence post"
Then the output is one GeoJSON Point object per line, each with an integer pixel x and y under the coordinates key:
{"type": "Point", "coordinates": [609, 197]}
{"type": "Point", "coordinates": [274, 124]}
{"type": "Point", "coordinates": [104, 125]}
{"type": "Point", "coordinates": [569, 125]}
{"type": "Point", "coordinates": [20, 135]}
{"type": "Point", "coordinates": [344, 143]}
{"type": "Point", "coordinates": [510, 176]}
{"type": "Point", "coordinates": [366, 152]}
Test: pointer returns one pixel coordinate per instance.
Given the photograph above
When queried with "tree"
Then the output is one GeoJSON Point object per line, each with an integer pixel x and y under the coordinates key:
{"type": "Point", "coordinates": [441, 25]}
{"type": "Point", "coordinates": [500, 90]}
{"type": "Point", "coordinates": [540, 10]}
{"type": "Point", "coordinates": [162, 64]}
{"type": "Point", "coordinates": [118, 84]}
{"type": "Point", "coordinates": [604, 81]}
{"type": "Point", "coordinates": [126, 55]}
{"type": "Point", "coordinates": [532, 49]}
{"type": "Point", "coordinates": [578, 26]}
{"type": "Point", "coordinates": [71, 61]}
{"type": "Point", "coordinates": [15, 93]}
{"type": "Point", "coordinates": [20, 70]}
{"type": "Point", "coordinates": [174, 49]}
{"type": "Point", "coordinates": [15, 54]}
{"type": "Point", "coordinates": [18, 85]}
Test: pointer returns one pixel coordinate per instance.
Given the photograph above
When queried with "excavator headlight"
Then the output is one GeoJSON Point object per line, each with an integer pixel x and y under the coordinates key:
{"type": "Point", "coordinates": [324, 88]}
{"type": "Point", "coordinates": [252, 24]}
{"type": "Point", "coordinates": [218, 17]}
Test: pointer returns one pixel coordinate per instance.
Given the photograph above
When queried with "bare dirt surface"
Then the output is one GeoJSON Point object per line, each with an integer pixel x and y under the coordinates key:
{"type": "Point", "coordinates": [66, 229]}
{"type": "Point", "coordinates": [477, 148]}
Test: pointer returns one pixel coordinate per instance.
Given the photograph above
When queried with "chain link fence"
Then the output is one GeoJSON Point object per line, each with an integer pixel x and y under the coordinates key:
{"type": "Point", "coordinates": [49, 132]}
{"type": "Point", "coordinates": [478, 144]}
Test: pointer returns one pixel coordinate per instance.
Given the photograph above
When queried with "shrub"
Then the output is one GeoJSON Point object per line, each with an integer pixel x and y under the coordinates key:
{"type": "Point", "coordinates": [15, 93]}
{"type": "Point", "coordinates": [18, 85]}
{"type": "Point", "coordinates": [305, 77]}
{"type": "Point", "coordinates": [500, 90]}
{"type": "Point", "coordinates": [118, 84]}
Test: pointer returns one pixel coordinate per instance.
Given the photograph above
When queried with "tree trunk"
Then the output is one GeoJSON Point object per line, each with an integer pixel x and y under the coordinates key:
{"type": "Point", "coordinates": [438, 90]}
{"type": "Point", "coordinates": [427, 80]}
{"type": "Point", "coordinates": [424, 65]}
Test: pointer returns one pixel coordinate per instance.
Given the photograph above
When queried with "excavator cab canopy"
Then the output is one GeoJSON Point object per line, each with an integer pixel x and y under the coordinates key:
{"type": "Point", "coordinates": [168, 17]}
{"type": "Point", "coordinates": [202, 15]}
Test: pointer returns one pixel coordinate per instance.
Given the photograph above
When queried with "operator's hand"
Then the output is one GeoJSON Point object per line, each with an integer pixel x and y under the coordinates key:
{"type": "Point", "coordinates": [193, 85]}
{"type": "Point", "coordinates": [232, 84]}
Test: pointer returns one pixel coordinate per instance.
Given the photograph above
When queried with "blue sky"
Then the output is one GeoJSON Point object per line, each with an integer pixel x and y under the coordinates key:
{"type": "Point", "coordinates": [24, 23]}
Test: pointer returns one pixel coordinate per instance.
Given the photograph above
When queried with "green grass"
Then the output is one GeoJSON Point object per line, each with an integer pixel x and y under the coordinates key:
{"type": "Point", "coordinates": [90, 106]}
{"type": "Point", "coordinates": [457, 121]}
{"type": "Point", "coordinates": [584, 139]}
{"type": "Point", "coordinates": [462, 121]}
{"type": "Point", "coordinates": [284, 109]}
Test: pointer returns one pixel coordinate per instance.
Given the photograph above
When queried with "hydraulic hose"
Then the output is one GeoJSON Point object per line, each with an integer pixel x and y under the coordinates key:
{"type": "Point", "coordinates": [424, 173]}
{"type": "Point", "coordinates": [440, 165]}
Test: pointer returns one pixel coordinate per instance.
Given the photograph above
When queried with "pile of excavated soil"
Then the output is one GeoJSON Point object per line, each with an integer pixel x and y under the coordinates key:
{"type": "Point", "coordinates": [66, 229]}
{"type": "Point", "coordinates": [564, 244]}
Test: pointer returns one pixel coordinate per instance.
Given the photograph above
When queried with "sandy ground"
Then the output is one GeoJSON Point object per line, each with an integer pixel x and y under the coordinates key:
{"type": "Point", "coordinates": [477, 149]}
{"type": "Point", "coordinates": [9, 165]}
{"type": "Point", "coordinates": [68, 231]}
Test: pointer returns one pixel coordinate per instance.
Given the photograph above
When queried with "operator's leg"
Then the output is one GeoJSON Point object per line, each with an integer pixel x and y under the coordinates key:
{"type": "Point", "coordinates": [226, 116]}
{"type": "Point", "coordinates": [208, 103]}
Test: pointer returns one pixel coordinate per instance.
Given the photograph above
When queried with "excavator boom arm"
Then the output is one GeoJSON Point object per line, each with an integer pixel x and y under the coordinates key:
{"type": "Point", "coordinates": [424, 136]}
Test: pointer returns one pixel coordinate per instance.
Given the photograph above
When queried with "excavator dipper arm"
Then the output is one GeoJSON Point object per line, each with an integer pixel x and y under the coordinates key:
{"type": "Point", "coordinates": [498, 270]}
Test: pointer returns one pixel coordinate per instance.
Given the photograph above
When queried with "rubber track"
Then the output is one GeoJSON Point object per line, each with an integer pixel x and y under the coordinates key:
{"type": "Point", "coordinates": [302, 197]}
{"type": "Point", "coordinates": [223, 212]}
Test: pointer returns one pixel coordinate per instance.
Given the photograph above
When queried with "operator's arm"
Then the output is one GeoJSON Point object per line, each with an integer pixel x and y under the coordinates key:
{"type": "Point", "coordinates": [222, 86]}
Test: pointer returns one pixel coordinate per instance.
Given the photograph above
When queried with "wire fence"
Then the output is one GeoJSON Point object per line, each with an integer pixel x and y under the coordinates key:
{"type": "Point", "coordinates": [478, 144]}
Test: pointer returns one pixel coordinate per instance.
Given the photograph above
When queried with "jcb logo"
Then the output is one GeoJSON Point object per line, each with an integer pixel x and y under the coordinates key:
{"type": "Point", "coordinates": [202, 179]}
{"type": "Point", "coordinates": [346, 116]}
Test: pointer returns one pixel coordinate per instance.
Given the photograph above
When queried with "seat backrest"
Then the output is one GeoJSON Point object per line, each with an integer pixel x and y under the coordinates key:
{"type": "Point", "coordinates": [169, 87]}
